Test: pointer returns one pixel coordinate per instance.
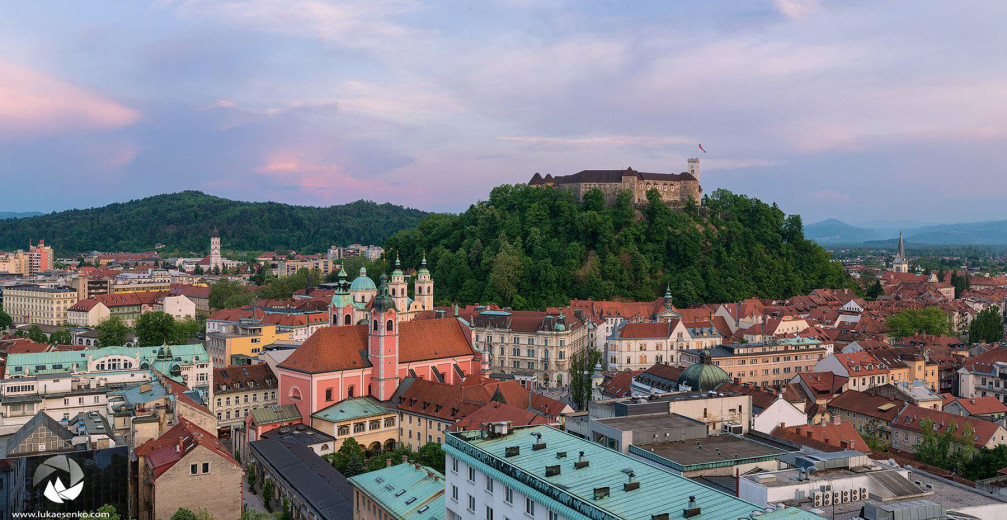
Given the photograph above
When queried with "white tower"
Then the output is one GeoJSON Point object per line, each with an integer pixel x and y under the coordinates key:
{"type": "Point", "coordinates": [694, 167]}
{"type": "Point", "coordinates": [215, 249]}
{"type": "Point", "coordinates": [424, 287]}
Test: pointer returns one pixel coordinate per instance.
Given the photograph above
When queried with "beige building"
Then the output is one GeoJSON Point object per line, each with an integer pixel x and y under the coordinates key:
{"type": "Point", "coordinates": [237, 390]}
{"type": "Point", "coordinates": [288, 267]}
{"type": "Point", "coordinates": [372, 425]}
{"type": "Point", "coordinates": [186, 467]}
{"type": "Point", "coordinates": [37, 304]}
{"type": "Point", "coordinates": [765, 364]}
{"type": "Point", "coordinates": [535, 347]}
{"type": "Point", "coordinates": [87, 313]}
{"type": "Point", "coordinates": [675, 188]}
{"type": "Point", "coordinates": [245, 338]}
{"type": "Point", "coordinates": [638, 346]}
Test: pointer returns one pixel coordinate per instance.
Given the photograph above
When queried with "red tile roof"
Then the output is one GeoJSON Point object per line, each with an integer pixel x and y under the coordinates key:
{"type": "Point", "coordinates": [839, 436]}
{"type": "Point", "coordinates": [191, 291]}
{"type": "Point", "coordinates": [619, 384]}
{"type": "Point", "coordinates": [984, 362]}
{"type": "Point", "coordinates": [241, 378]}
{"type": "Point", "coordinates": [647, 330]}
{"type": "Point", "coordinates": [492, 412]}
{"type": "Point", "coordinates": [824, 383]}
{"type": "Point", "coordinates": [868, 364]}
{"type": "Point", "coordinates": [868, 405]}
{"type": "Point", "coordinates": [163, 452]}
{"type": "Point", "coordinates": [331, 349]}
{"type": "Point", "coordinates": [28, 347]}
{"type": "Point", "coordinates": [981, 405]}
{"type": "Point", "coordinates": [83, 305]}
{"type": "Point", "coordinates": [912, 418]}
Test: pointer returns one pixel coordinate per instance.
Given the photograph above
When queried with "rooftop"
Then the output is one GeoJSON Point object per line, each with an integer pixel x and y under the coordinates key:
{"type": "Point", "coordinates": [710, 452]}
{"type": "Point", "coordinates": [651, 421]}
{"type": "Point", "coordinates": [319, 484]}
{"type": "Point", "coordinates": [351, 409]}
{"type": "Point", "coordinates": [598, 489]}
{"type": "Point", "coordinates": [405, 490]}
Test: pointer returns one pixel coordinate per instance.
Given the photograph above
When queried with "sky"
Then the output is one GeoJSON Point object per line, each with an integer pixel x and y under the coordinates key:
{"type": "Point", "coordinates": [862, 111]}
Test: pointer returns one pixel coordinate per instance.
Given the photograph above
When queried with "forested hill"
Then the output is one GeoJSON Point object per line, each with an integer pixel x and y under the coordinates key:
{"type": "Point", "coordinates": [183, 222]}
{"type": "Point", "coordinates": [530, 247]}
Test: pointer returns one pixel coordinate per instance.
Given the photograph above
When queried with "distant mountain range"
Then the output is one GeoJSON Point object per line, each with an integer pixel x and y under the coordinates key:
{"type": "Point", "coordinates": [835, 232]}
{"type": "Point", "coordinates": [22, 214]}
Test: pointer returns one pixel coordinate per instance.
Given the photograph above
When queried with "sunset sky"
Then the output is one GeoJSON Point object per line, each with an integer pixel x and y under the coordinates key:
{"type": "Point", "coordinates": [855, 110]}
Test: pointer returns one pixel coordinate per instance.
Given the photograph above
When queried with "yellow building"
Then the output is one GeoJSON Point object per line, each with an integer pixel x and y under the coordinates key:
{"type": "Point", "coordinates": [373, 426]}
{"type": "Point", "coordinates": [36, 304]}
{"type": "Point", "coordinates": [243, 338]}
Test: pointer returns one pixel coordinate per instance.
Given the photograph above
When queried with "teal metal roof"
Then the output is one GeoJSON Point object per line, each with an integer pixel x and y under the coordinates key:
{"type": "Point", "coordinates": [275, 413]}
{"type": "Point", "coordinates": [571, 493]}
{"type": "Point", "coordinates": [791, 513]}
{"type": "Point", "coordinates": [161, 358]}
{"type": "Point", "coordinates": [363, 282]}
{"type": "Point", "coordinates": [350, 409]}
{"type": "Point", "coordinates": [141, 393]}
{"type": "Point", "coordinates": [405, 491]}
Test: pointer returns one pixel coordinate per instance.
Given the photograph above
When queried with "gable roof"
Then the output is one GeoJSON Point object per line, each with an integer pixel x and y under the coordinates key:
{"type": "Point", "coordinates": [163, 452]}
{"type": "Point", "coordinates": [333, 349]}
{"type": "Point", "coordinates": [660, 330]}
{"type": "Point", "coordinates": [38, 421]}
{"type": "Point", "coordinates": [619, 384]}
{"type": "Point", "coordinates": [275, 413]}
{"type": "Point", "coordinates": [912, 418]}
{"type": "Point", "coordinates": [877, 407]}
{"type": "Point", "coordinates": [240, 378]}
{"type": "Point", "coordinates": [494, 412]}
{"type": "Point", "coordinates": [834, 436]}
{"type": "Point", "coordinates": [981, 405]}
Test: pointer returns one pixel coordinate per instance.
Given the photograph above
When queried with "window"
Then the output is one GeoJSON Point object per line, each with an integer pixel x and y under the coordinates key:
{"type": "Point", "coordinates": [344, 430]}
{"type": "Point", "coordinates": [529, 507]}
{"type": "Point", "coordinates": [517, 364]}
{"type": "Point", "coordinates": [389, 325]}
{"type": "Point", "coordinates": [193, 469]}
{"type": "Point", "coordinates": [454, 464]}
{"type": "Point", "coordinates": [489, 513]}
{"type": "Point", "coordinates": [531, 352]}
{"type": "Point", "coordinates": [206, 467]}
{"type": "Point", "coordinates": [489, 484]}
{"type": "Point", "coordinates": [472, 474]}
{"type": "Point", "coordinates": [517, 351]}
{"type": "Point", "coordinates": [531, 365]}
{"type": "Point", "coordinates": [359, 427]}
{"type": "Point", "coordinates": [328, 394]}
{"type": "Point", "coordinates": [472, 503]}
{"type": "Point", "coordinates": [531, 341]}
{"type": "Point", "coordinates": [508, 495]}
{"type": "Point", "coordinates": [553, 516]}
{"type": "Point", "coordinates": [454, 493]}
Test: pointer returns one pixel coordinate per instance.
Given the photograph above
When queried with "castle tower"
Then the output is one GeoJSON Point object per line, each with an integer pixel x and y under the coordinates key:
{"type": "Point", "coordinates": [424, 286]}
{"type": "Point", "coordinates": [900, 265]}
{"type": "Point", "coordinates": [383, 344]}
{"type": "Point", "coordinates": [694, 167]}
{"type": "Point", "coordinates": [398, 287]}
{"type": "Point", "coordinates": [215, 249]}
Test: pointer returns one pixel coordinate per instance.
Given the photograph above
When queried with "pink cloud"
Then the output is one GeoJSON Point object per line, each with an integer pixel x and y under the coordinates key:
{"type": "Point", "coordinates": [35, 103]}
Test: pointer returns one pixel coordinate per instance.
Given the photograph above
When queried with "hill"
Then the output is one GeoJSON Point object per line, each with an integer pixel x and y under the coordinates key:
{"type": "Point", "coordinates": [833, 231]}
{"type": "Point", "coordinates": [531, 247]}
{"type": "Point", "coordinates": [16, 214]}
{"type": "Point", "coordinates": [183, 222]}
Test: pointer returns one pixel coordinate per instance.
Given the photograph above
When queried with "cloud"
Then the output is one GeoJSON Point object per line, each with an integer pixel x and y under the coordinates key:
{"type": "Point", "coordinates": [33, 103]}
{"type": "Point", "coordinates": [796, 9]}
{"type": "Point", "coordinates": [609, 140]}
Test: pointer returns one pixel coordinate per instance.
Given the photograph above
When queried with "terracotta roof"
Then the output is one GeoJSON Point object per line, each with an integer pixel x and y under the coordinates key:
{"type": "Point", "coordinates": [869, 405]}
{"type": "Point", "coordinates": [28, 347]}
{"type": "Point", "coordinates": [984, 362]}
{"type": "Point", "coordinates": [837, 436]}
{"type": "Point", "coordinates": [163, 452]}
{"type": "Point", "coordinates": [664, 371]}
{"type": "Point", "coordinates": [981, 405]}
{"type": "Point", "coordinates": [494, 411]}
{"type": "Point", "coordinates": [241, 378]}
{"type": "Point", "coordinates": [331, 349]}
{"type": "Point", "coordinates": [912, 418]}
{"type": "Point", "coordinates": [647, 330]}
{"type": "Point", "coordinates": [868, 364]}
{"type": "Point", "coordinates": [83, 305]}
{"type": "Point", "coordinates": [824, 383]}
{"type": "Point", "coordinates": [454, 402]}
{"type": "Point", "coordinates": [191, 291]}
{"type": "Point", "coordinates": [129, 299]}
{"type": "Point", "coordinates": [619, 384]}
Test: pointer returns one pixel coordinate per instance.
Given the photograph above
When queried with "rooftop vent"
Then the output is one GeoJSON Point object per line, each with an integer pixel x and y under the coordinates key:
{"type": "Point", "coordinates": [601, 492]}
{"type": "Point", "coordinates": [512, 451]}
{"type": "Point", "coordinates": [582, 463]}
{"type": "Point", "coordinates": [693, 510]}
{"type": "Point", "coordinates": [552, 471]}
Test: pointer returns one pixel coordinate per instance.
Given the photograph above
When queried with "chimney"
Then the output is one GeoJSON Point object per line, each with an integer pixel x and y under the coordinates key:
{"type": "Point", "coordinates": [388, 463]}
{"type": "Point", "coordinates": [836, 419]}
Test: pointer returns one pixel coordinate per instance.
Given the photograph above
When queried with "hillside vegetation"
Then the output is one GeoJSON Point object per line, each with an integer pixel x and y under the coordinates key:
{"type": "Point", "coordinates": [183, 222]}
{"type": "Point", "coordinates": [531, 247]}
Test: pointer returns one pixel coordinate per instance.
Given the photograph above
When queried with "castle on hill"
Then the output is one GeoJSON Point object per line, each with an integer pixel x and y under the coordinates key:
{"type": "Point", "coordinates": [675, 188]}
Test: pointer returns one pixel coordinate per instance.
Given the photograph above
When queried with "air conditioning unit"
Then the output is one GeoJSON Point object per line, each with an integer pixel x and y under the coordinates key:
{"type": "Point", "coordinates": [846, 495]}
{"type": "Point", "coordinates": [863, 494]}
{"type": "Point", "coordinates": [837, 497]}
{"type": "Point", "coordinates": [734, 428]}
{"type": "Point", "coordinates": [855, 495]}
{"type": "Point", "coordinates": [819, 499]}
{"type": "Point", "coordinates": [828, 499]}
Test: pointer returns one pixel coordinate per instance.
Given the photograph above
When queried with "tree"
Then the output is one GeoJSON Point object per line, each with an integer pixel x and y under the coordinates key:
{"type": "Point", "coordinates": [229, 294]}
{"type": "Point", "coordinates": [431, 455]}
{"type": "Point", "coordinates": [198, 270]}
{"type": "Point", "coordinates": [35, 334]}
{"type": "Point", "coordinates": [112, 332]}
{"type": "Point", "coordinates": [107, 512]}
{"type": "Point", "coordinates": [987, 326]}
{"type": "Point", "coordinates": [5, 321]}
{"type": "Point", "coordinates": [951, 449]}
{"type": "Point", "coordinates": [354, 467]}
{"type": "Point", "coordinates": [60, 337]}
{"type": "Point", "coordinates": [155, 328]}
{"type": "Point", "coordinates": [286, 514]}
{"type": "Point", "coordinates": [581, 370]}
{"type": "Point", "coordinates": [251, 478]}
{"type": "Point", "coordinates": [186, 331]}
{"type": "Point", "coordinates": [183, 514]}
{"type": "Point", "coordinates": [351, 448]}
{"type": "Point", "coordinates": [930, 320]}
{"type": "Point", "coordinates": [204, 515]}
{"type": "Point", "coordinates": [962, 283]}
{"type": "Point", "coordinates": [267, 494]}
{"type": "Point", "coordinates": [874, 290]}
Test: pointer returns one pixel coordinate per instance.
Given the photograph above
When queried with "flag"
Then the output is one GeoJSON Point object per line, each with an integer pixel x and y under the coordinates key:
{"type": "Point", "coordinates": [701, 148]}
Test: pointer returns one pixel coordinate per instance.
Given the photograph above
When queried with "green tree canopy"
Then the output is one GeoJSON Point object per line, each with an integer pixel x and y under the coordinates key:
{"type": "Point", "coordinates": [183, 514]}
{"type": "Point", "coordinates": [431, 455]}
{"type": "Point", "coordinates": [60, 337]}
{"type": "Point", "coordinates": [929, 320]}
{"type": "Point", "coordinates": [229, 294]}
{"type": "Point", "coordinates": [112, 332]}
{"type": "Point", "coordinates": [987, 326]}
{"type": "Point", "coordinates": [581, 369]}
{"type": "Point", "coordinates": [5, 321]}
{"type": "Point", "coordinates": [951, 449]}
{"type": "Point", "coordinates": [155, 328]}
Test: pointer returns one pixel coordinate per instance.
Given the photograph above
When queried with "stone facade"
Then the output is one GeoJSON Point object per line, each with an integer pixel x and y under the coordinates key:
{"type": "Point", "coordinates": [675, 189]}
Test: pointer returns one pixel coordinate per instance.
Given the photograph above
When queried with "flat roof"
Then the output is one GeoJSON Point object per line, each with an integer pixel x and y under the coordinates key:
{"type": "Point", "coordinates": [648, 421]}
{"type": "Point", "coordinates": [715, 451]}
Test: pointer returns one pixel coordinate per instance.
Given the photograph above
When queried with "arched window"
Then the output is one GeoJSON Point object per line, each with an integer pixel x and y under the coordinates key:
{"type": "Point", "coordinates": [295, 394]}
{"type": "Point", "coordinates": [375, 325]}
{"type": "Point", "coordinates": [389, 325]}
{"type": "Point", "coordinates": [335, 320]}
{"type": "Point", "coordinates": [346, 320]}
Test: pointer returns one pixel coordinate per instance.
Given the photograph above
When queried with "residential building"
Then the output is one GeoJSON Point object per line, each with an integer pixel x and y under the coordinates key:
{"type": "Point", "coordinates": [185, 460]}
{"type": "Point", "coordinates": [863, 370]}
{"type": "Point", "coordinates": [336, 363]}
{"type": "Point", "coordinates": [37, 304]}
{"type": "Point", "coordinates": [87, 313]}
{"type": "Point", "coordinates": [914, 392]}
{"type": "Point", "coordinates": [764, 364]}
{"type": "Point", "coordinates": [542, 473]}
{"type": "Point", "coordinates": [290, 266]}
{"type": "Point", "coordinates": [246, 338]}
{"type": "Point", "coordinates": [986, 408]}
{"type": "Point", "coordinates": [197, 294]}
{"type": "Point", "coordinates": [314, 489]}
{"type": "Point", "coordinates": [399, 492]}
{"type": "Point", "coordinates": [907, 428]}
{"type": "Point", "coordinates": [535, 347]}
{"type": "Point", "coordinates": [239, 389]}
{"type": "Point", "coordinates": [984, 375]}
{"type": "Point", "coordinates": [871, 415]}
{"type": "Point", "coordinates": [37, 259]}
{"type": "Point", "coordinates": [262, 420]}
{"type": "Point", "coordinates": [638, 346]}
{"type": "Point", "coordinates": [373, 426]}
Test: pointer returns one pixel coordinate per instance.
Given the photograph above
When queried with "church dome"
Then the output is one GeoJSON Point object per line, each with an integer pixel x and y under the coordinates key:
{"type": "Point", "coordinates": [362, 282]}
{"type": "Point", "coordinates": [704, 376]}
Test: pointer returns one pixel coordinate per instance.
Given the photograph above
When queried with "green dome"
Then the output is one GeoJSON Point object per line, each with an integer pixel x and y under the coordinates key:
{"type": "Point", "coordinates": [362, 282]}
{"type": "Point", "coordinates": [704, 376]}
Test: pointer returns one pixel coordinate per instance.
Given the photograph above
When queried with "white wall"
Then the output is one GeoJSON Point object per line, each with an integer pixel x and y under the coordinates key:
{"type": "Point", "coordinates": [780, 411]}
